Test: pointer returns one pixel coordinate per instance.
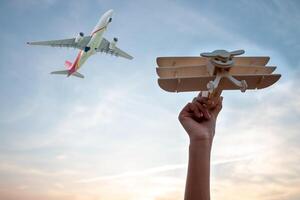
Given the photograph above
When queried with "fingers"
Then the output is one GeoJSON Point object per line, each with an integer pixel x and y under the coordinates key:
{"type": "Point", "coordinates": [201, 104]}
{"type": "Point", "coordinates": [190, 111]}
{"type": "Point", "coordinates": [185, 112]}
{"type": "Point", "coordinates": [204, 101]}
{"type": "Point", "coordinates": [209, 107]}
{"type": "Point", "coordinates": [202, 108]}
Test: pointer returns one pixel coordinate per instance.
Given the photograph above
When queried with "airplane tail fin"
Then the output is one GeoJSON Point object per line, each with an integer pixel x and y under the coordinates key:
{"type": "Point", "coordinates": [66, 72]}
{"type": "Point", "coordinates": [68, 64]}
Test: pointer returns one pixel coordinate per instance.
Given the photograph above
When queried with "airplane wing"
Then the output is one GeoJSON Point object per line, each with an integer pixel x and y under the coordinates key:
{"type": "Point", "coordinates": [81, 44]}
{"type": "Point", "coordinates": [201, 70]}
{"type": "Point", "coordinates": [199, 83]}
{"type": "Point", "coordinates": [192, 61]}
{"type": "Point", "coordinates": [105, 47]}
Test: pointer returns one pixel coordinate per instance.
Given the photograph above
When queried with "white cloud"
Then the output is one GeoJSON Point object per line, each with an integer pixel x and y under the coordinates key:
{"type": "Point", "coordinates": [61, 157]}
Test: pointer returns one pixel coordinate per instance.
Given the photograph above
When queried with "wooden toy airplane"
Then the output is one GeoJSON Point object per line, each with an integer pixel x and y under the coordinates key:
{"type": "Point", "coordinates": [215, 72]}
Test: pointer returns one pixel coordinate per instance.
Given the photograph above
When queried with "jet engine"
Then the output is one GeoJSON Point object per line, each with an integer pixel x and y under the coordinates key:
{"type": "Point", "coordinates": [113, 43]}
{"type": "Point", "coordinates": [79, 37]}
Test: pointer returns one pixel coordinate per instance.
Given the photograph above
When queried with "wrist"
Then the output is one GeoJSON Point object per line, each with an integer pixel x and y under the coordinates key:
{"type": "Point", "coordinates": [201, 142]}
{"type": "Point", "coordinates": [203, 136]}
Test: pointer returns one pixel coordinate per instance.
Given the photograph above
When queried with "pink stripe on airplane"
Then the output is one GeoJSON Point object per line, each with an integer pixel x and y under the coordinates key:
{"type": "Point", "coordinates": [75, 64]}
{"type": "Point", "coordinates": [98, 30]}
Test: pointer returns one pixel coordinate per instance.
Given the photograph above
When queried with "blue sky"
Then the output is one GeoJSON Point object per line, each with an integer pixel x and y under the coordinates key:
{"type": "Point", "coordinates": [116, 130]}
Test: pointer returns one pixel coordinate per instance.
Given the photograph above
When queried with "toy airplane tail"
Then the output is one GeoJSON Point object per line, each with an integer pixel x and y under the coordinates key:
{"type": "Point", "coordinates": [68, 65]}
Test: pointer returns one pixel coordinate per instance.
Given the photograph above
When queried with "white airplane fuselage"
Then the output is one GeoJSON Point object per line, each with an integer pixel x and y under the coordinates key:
{"type": "Point", "coordinates": [97, 36]}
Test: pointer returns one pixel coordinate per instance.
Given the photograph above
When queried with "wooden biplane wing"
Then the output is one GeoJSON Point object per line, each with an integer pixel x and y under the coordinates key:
{"type": "Point", "coordinates": [215, 71]}
{"type": "Point", "coordinates": [201, 70]}
{"type": "Point", "coordinates": [200, 83]}
{"type": "Point", "coordinates": [192, 61]}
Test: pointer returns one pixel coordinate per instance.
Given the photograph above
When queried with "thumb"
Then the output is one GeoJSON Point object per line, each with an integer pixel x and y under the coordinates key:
{"type": "Point", "coordinates": [218, 107]}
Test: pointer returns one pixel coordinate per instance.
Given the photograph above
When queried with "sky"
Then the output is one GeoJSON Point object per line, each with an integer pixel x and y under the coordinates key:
{"type": "Point", "coordinates": [115, 134]}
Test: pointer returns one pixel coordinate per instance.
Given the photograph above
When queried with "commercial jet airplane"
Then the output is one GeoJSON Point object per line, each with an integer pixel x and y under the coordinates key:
{"type": "Point", "coordinates": [88, 45]}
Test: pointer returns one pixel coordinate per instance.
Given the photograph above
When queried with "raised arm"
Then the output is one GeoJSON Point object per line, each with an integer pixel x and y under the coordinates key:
{"type": "Point", "coordinates": [199, 120]}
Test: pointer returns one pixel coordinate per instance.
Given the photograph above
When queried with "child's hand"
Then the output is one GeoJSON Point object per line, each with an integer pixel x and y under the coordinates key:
{"type": "Point", "coordinates": [199, 117]}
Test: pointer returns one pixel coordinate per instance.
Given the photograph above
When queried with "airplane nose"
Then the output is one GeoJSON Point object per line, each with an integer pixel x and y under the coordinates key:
{"type": "Point", "coordinates": [109, 15]}
{"type": "Point", "coordinates": [110, 12]}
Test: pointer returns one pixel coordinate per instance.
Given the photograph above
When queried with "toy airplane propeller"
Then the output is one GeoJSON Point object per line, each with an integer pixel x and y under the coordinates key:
{"type": "Point", "coordinates": [214, 72]}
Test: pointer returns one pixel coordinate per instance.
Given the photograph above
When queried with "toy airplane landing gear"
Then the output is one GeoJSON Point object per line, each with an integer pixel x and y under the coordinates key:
{"type": "Point", "coordinates": [220, 61]}
{"type": "Point", "coordinates": [214, 72]}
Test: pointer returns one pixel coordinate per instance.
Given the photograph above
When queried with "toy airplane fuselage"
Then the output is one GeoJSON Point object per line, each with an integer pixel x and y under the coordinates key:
{"type": "Point", "coordinates": [88, 45]}
{"type": "Point", "coordinates": [215, 72]}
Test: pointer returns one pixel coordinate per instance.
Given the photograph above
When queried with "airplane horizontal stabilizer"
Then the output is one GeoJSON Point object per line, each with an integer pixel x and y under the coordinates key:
{"type": "Point", "coordinates": [60, 72]}
{"type": "Point", "coordinates": [66, 72]}
{"type": "Point", "coordinates": [77, 74]}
